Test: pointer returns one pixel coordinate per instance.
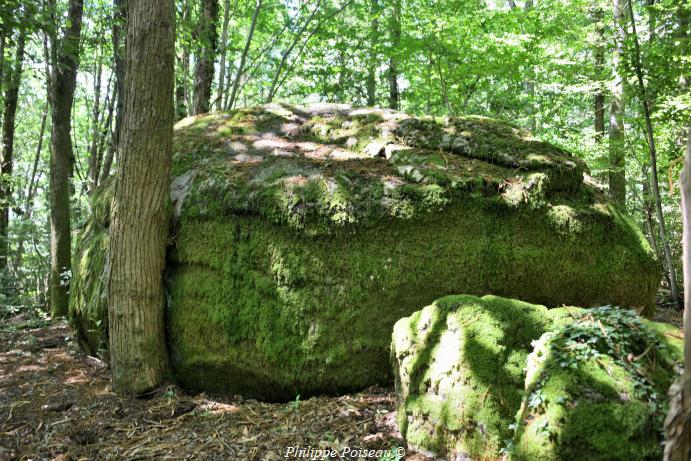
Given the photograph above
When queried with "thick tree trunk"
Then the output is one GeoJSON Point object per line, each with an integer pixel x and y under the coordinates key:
{"type": "Point", "coordinates": [63, 82]}
{"type": "Point", "coordinates": [204, 65]}
{"type": "Point", "coordinates": [13, 80]}
{"type": "Point", "coordinates": [678, 421]}
{"type": "Point", "coordinates": [617, 158]}
{"type": "Point", "coordinates": [395, 31]}
{"type": "Point", "coordinates": [248, 43]}
{"type": "Point", "coordinates": [140, 210]}
{"type": "Point", "coordinates": [373, 61]}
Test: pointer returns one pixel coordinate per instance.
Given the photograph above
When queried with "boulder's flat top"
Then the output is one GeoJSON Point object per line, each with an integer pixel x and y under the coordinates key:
{"type": "Point", "coordinates": [341, 165]}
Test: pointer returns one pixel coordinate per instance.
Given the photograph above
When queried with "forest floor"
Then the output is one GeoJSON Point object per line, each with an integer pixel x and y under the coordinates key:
{"type": "Point", "coordinates": [56, 403]}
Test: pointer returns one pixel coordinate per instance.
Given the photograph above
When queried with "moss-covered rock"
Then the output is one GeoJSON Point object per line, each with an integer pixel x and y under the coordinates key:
{"type": "Point", "coordinates": [595, 385]}
{"type": "Point", "coordinates": [301, 235]}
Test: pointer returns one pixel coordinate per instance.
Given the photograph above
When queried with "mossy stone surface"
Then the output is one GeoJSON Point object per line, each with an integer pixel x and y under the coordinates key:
{"type": "Point", "coordinates": [301, 235]}
{"type": "Point", "coordinates": [462, 391]}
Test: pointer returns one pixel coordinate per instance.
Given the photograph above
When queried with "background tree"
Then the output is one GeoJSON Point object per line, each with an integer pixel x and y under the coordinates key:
{"type": "Point", "coordinates": [13, 76]}
{"type": "Point", "coordinates": [208, 44]}
{"type": "Point", "coordinates": [64, 59]}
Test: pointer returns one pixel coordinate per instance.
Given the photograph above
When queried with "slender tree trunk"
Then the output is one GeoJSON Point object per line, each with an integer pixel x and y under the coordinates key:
{"type": "Point", "coordinates": [617, 157]}
{"type": "Point", "coordinates": [678, 421]}
{"type": "Point", "coordinates": [182, 98]}
{"type": "Point", "coordinates": [222, 51]}
{"type": "Point", "coordinates": [31, 192]}
{"type": "Point", "coordinates": [13, 80]}
{"type": "Point", "coordinates": [204, 64]}
{"type": "Point", "coordinates": [395, 31]}
{"type": "Point", "coordinates": [648, 212]}
{"type": "Point", "coordinates": [373, 61]}
{"type": "Point", "coordinates": [140, 210]}
{"type": "Point", "coordinates": [599, 98]}
{"type": "Point", "coordinates": [92, 172]}
{"type": "Point", "coordinates": [2, 63]}
{"type": "Point", "coordinates": [63, 82]}
{"type": "Point", "coordinates": [119, 22]}
{"type": "Point", "coordinates": [106, 130]}
{"type": "Point", "coordinates": [286, 54]}
{"type": "Point", "coordinates": [248, 43]}
{"type": "Point", "coordinates": [653, 157]}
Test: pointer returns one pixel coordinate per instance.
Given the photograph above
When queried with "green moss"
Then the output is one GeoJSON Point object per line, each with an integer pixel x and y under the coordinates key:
{"type": "Point", "coordinates": [88, 296]}
{"type": "Point", "coordinates": [295, 248]}
{"type": "Point", "coordinates": [460, 370]}
{"type": "Point", "coordinates": [596, 390]}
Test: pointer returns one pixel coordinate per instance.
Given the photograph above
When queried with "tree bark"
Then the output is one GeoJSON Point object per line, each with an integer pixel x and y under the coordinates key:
{"type": "Point", "coordinates": [204, 65]}
{"type": "Point", "coordinates": [13, 80]}
{"type": "Point", "coordinates": [371, 84]}
{"type": "Point", "coordinates": [395, 31]}
{"type": "Point", "coordinates": [141, 205]}
{"type": "Point", "coordinates": [248, 43]}
{"type": "Point", "coordinates": [617, 158]}
{"type": "Point", "coordinates": [63, 82]}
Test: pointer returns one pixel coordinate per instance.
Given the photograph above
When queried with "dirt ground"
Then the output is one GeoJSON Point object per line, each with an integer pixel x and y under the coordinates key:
{"type": "Point", "coordinates": [56, 403]}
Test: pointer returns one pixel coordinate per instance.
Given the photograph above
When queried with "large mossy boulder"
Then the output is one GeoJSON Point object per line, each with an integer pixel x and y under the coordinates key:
{"type": "Point", "coordinates": [301, 235]}
{"type": "Point", "coordinates": [595, 386]}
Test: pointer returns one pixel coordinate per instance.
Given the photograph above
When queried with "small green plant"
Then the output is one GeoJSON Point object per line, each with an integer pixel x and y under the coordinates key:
{"type": "Point", "coordinates": [295, 404]}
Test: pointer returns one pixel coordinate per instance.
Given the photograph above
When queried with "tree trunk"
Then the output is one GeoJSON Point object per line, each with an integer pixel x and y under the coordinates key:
{"type": "Point", "coordinates": [222, 51]}
{"type": "Point", "coordinates": [617, 158]}
{"type": "Point", "coordinates": [182, 99]}
{"type": "Point", "coordinates": [92, 172]}
{"type": "Point", "coordinates": [599, 98]}
{"type": "Point", "coordinates": [63, 82]}
{"type": "Point", "coordinates": [140, 210]}
{"type": "Point", "coordinates": [395, 31]}
{"type": "Point", "coordinates": [373, 62]}
{"type": "Point", "coordinates": [31, 192]}
{"type": "Point", "coordinates": [13, 80]}
{"type": "Point", "coordinates": [653, 157]}
{"type": "Point", "coordinates": [248, 43]}
{"type": "Point", "coordinates": [678, 421]}
{"type": "Point", "coordinates": [119, 21]}
{"type": "Point", "coordinates": [286, 54]}
{"type": "Point", "coordinates": [204, 64]}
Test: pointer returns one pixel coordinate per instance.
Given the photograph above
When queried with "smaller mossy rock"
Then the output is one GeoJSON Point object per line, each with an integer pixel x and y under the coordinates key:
{"type": "Point", "coordinates": [460, 364]}
{"type": "Point", "coordinates": [596, 390]}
